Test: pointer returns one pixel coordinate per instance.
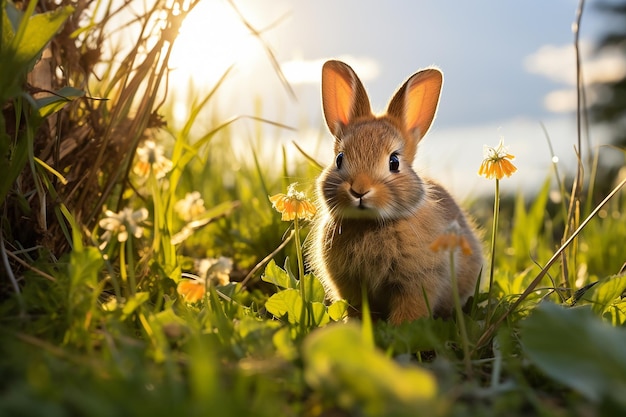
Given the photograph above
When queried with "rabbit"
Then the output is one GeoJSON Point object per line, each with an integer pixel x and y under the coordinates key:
{"type": "Point", "coordinates": [377, 218]}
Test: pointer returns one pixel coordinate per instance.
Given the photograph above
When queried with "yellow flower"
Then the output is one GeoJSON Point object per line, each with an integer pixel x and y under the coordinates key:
{"type": "Point", "coordinates": [451, 239]}
{"type": "Point", "coordinates": [496, 162]}
{"type": "Point", "coordinates": [150, 156]}
{"type": "Point", "coordinates": [293, 204]}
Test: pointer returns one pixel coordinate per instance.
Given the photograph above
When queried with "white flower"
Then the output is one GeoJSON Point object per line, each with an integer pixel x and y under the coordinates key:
{"type": "Point", "coordinates": [216, 270]}
{"type": "Point", "coordinates": [150, 156]}
{"type": "Point", "coordinates": [191, 207]}
{"type": "Point", "coordinates": [122, 223]}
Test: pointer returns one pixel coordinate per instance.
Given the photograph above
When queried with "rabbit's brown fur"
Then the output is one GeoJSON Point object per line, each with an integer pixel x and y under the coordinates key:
{"type": "Point", "coordinates": [376, 222]}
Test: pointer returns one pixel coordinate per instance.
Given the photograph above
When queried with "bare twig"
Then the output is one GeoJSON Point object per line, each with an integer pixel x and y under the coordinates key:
{"type": "Point", "coordinates": [28, 266]}
{"type": "Point", "coordinates": [266, 259]}
{"type": "Point", "coordinates": [7, 267]}
{"type": "Point", "coordinates": [577, 186]}
{"type": "Point", "coordinates": [579, 81]}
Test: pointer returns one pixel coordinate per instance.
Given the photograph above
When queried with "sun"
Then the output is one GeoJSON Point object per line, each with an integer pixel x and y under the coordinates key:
{"type": "Point", "coordinates": [211, 39]}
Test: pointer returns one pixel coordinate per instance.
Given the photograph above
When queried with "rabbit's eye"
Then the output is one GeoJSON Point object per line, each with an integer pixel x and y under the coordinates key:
{"type": "Point", "coordinates": [394, 162]}
{"type": "Point", "coordinates": [339, 160]}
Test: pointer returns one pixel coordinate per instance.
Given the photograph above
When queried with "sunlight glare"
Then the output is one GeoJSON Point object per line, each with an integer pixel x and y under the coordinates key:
{"type": "Point", "coordinates": [301, 71]}
{"type": "Point", "coordinates": [211, 39]}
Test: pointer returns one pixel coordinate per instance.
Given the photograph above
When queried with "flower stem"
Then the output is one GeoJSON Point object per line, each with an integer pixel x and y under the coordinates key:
{"type": "Point", "coordinates": [158, 216]}
{"type": "Point", "coordinates": [367, 329]}
{"type": "Point", "coordinates": [459, 316]}
{"type": "Point", "coordinates": [131, 266]}
{"type": "Point", "coordinates": [305, 311]}
{"type": "Point", "coordinates": [296, 227]}
{"type": "Point", "coordinates": [123, 267]}
{"type": "Point", "coordinates": [494, 234]}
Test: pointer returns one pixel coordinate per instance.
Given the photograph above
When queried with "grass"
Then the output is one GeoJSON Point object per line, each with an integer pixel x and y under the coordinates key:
{"type": "Point", "coordinates": [96, 324]}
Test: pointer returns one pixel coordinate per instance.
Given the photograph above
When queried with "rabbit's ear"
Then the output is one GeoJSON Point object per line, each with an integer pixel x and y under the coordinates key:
{"type": "Point", "coordinates": [415, 103]}
{"type": "Point", "coordinates": [343, 96]}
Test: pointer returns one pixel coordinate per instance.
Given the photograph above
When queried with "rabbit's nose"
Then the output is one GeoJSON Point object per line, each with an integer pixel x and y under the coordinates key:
{"type": "Point", "coordinates": [358, 194]}
{"type": "Point", "coordinates": [360, 186]}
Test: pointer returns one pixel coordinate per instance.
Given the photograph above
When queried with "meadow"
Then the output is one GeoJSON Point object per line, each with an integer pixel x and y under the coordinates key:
{"type": "Point", "coordinates": [145, 270]}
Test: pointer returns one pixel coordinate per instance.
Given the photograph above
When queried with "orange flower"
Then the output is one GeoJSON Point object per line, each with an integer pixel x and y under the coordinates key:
{"type": "Point", "coordinates": [451, 239]}
{"type": "Point", "coordinates": [496, 162]}
{"type": "Point", "coordinates": [210, 271]}
{"type": "Point", "coordinates": [293, 204]}
{"type": "Point", "coordinates": [191, 290]}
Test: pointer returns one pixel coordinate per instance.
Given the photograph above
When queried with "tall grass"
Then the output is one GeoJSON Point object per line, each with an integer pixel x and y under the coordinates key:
{"type": "Point", "coordinates": [107, 311]}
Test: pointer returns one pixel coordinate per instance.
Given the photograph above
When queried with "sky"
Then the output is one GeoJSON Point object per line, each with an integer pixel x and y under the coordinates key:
{"type": "Point", "coordinates": [509, 70]}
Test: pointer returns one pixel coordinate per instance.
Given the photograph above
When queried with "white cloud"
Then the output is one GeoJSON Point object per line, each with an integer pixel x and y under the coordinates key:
{"type": "Point", "coordinates": [300, 71]}
{"type": "Point", "coordinates": [558, 63]}
{"type": "Point", "coordinates": [607, 67]}
{"type": "Point", "coordinates": [565, 100]}
{"type": "Point", "coordinates": [561, 101]}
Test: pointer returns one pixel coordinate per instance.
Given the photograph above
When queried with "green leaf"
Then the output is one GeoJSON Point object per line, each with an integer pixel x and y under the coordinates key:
{"type": "Point", "coordinates": [85, 265]}
{"type": "Point", "coordinates": [283, 341]}
{"type": "Point", "coordinates": [286, 302]}
{"type": "Point", "coordinates": [219, 317]}
{"type": "Point", "coordinates": [22, 43]}
{"type": "Point", "coordinates": [82, 295]}
{"type": "Point", "coordinates": [338, 310]}
{"type": "Point", "coordinates": [169, 321]}
{"type": "Point", "coordinates": [319, 314]}
{"type": "Point", "coordinates": [526, 235]}
{"type": "Point", "coordinates": [313, 289]}
{"type": "Point", "coordinates": [12, 20]}
{"type": "Point", "coordinates": [278, 276]}
{"type": "Point", "coordinates": [292, 276]}
{"type": "Point", "coordinates": [362, 379]}
{"type": "Point", "coordinates": [14, 164]}
{"type": "Point", "coordinates": [616, 313]}
{"type": "Point", "coordinates": [575, 347]}
{"type": "Point", "coordinates": [419, 335]}
{"type": "Point", "coordinates": [39, 30]}
{"type": "Point", "coordinates": [52, 104]}
{"type": "Point", "coordinates": [253, 328]}
{"type": "Point", "coordinates": [134, 302]}
{"type": "Point", "coordinates": [605, 293]}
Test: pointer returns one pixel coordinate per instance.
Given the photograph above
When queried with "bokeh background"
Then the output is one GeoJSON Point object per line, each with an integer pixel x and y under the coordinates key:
{"type": "Point", "coordinates": [510, 72]}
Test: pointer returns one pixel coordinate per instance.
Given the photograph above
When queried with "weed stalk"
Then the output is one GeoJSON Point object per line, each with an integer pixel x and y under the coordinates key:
{"type": "Point", "coordinates": [459, 315]}
{"type": "Point", "coordinates": [492, 260]}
